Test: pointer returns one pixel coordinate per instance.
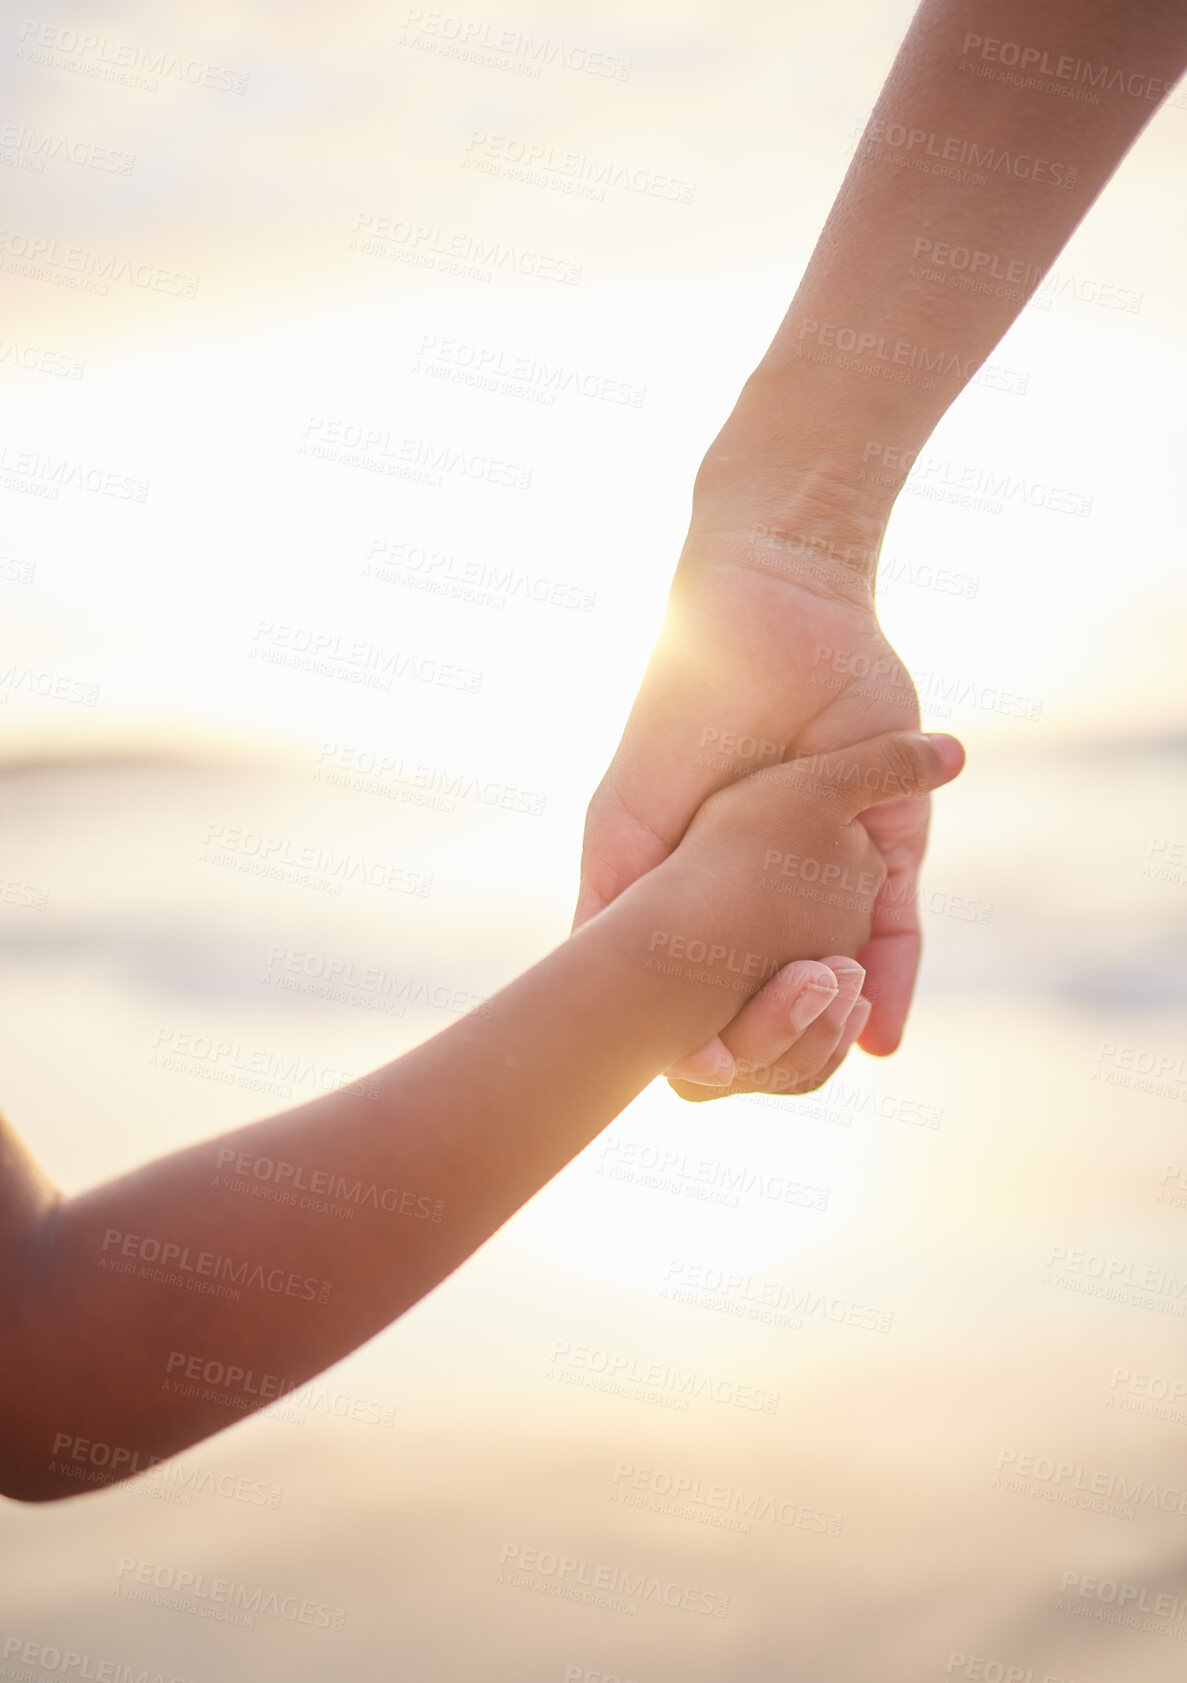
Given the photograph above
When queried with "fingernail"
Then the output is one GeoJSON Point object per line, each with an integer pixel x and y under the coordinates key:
{"type": "Point", "coordinates": [709, 1066]}
{"type": "Point", "coordinates": [855, 1023]}
{"type": "Point", "coordinates": [813, 998]}
{"type": "Point", "coordinates": [951, 751]}
{"type": "Point", "coordinates": [850, 978]}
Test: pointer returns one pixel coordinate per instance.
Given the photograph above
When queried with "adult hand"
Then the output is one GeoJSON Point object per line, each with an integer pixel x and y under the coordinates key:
{"type": "Point", "coordinates": [770, 648]}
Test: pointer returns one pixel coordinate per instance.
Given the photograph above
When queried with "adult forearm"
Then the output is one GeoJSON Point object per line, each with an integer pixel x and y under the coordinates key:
{"type": "Point", "coordinates": [995, 131]}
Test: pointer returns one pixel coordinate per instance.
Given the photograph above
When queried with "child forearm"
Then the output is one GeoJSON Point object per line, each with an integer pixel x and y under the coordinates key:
{"type": "Point", "coordinates": [280, 1247]}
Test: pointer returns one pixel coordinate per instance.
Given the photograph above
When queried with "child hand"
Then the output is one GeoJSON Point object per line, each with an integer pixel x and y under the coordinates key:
{"type": "Point", "coordinates": [788, 1039]}
{"type": "Point", "coordinates": [786, 851]}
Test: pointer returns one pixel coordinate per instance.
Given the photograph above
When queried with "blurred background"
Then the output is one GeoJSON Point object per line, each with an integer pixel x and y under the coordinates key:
{"type": "Point", "coordinates": [344, 463]}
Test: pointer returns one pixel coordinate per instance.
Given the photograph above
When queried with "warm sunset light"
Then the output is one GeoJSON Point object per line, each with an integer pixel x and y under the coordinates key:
{"type": "Point", "coordinates": [359, 364]}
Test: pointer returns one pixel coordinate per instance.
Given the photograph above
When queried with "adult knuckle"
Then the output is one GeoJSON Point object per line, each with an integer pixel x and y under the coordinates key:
{"type": "Point", "coordinates": [904, 766]}
{"type": "Point", "coordinates": [877, 868]}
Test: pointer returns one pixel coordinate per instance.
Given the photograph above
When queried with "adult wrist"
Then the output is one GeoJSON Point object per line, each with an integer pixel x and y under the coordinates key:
{"type": "Point", "coordinates": [798, 526]}
{"type": "Point", "coordinates": [808, 463]}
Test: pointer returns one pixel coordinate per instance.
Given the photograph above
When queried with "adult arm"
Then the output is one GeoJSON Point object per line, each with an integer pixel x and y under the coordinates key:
{"type": "Point", "coordinates": [771, 631]}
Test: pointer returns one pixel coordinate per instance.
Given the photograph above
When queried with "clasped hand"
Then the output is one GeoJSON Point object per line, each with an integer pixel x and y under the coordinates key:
{"type": "Point", "coordinates": [761, 662]}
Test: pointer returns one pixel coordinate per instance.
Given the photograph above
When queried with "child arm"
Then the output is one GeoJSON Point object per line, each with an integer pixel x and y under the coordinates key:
{"type": "Point", "coordinates": [108, 1294]}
